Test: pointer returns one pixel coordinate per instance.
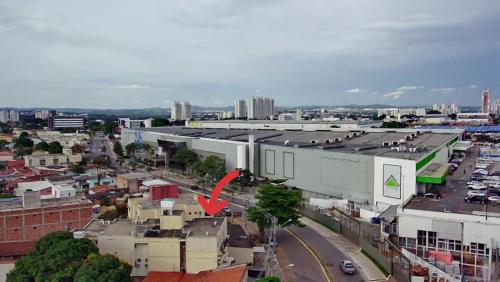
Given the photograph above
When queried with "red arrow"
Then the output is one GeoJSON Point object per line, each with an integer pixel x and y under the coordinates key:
{"type": "Point", "coordinates": [212, 206]}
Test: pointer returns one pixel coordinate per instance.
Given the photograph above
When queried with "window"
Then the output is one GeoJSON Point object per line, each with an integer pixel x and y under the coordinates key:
{"type": "Point", "coordinates": [288, 165]}
{"type": "Point", "coordinates": [431, 239]}
{"type": "Point", "coordinates": [42, 162]}
{"type": "Point", "coordinates": [269, 161]}
{"type": "Point", "coordinates": [411, 243]}
{"type": "Point", "coordinates": [421, 237]}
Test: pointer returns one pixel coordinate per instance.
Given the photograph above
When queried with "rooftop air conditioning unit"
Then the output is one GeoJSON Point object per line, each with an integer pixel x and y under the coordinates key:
{"type": "Point", "coordinates": [356, 134]}
{"type": "Point", "coordinates": [413, 135]}
{"type": "Point", "coordinates": [408, 137]}
{"type": "Point", "coordinates": [395, 143]}
{"type": "Point", "coordinates": [314, 141]}
{"type": "Point", "coordinates": [386, 144]}
{"type": "Point", "coordinates": [338, 139]}
{"type": "Point", "coordinates": [329, 141]}
{"type": "Point", "coordinates": [347, 136]}
{"type": "Point", "coordinates": [402, 141]}
{"type": "Point", "coordinates": [363, 131]}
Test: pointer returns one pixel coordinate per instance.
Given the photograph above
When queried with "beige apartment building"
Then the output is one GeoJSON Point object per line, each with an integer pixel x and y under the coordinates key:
{"type": "Point", "coordinates": [39, 159]}
{"type": "Point", "coordinates": [168, 235]}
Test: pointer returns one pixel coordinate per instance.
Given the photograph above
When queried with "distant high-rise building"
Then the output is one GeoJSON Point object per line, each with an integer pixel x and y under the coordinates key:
{"type": "Point", "coordinates": [186, 111]}
{"type": "Point", "coordinates": [298, 114]}
{"type": "Point", "coordinates": [495, 107]}
{"type": "Point", "coordinates": [260, 108]}
{"type": "Point", "coordinates": [9, 115]}
{"type": "Point", "coordinates": [176, 111]}
{"type": "Point", "coordinates": [485, 103]}
{"type": "Point", "coordinates": [43, 114]}
{"type": "Point", "coordinates": [240, 109]}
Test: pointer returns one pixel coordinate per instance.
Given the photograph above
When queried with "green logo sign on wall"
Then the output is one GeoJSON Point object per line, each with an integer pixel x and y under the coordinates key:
{"type": "Point", "coordinates": [392, 182]}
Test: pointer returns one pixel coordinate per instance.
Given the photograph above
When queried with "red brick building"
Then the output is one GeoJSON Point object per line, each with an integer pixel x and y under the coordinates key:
{"type": "Point", "coordinates": [24, 220]}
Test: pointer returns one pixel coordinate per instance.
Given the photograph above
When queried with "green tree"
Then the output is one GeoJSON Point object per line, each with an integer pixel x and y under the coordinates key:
{"type": "Point", "coordinates": [109, 127]}
{"type": "Point", "coordinates": [277, 200]}
{"type": "Point", "coordinates": [55, 147]}
{"type": "Point", "coordinates": [3, 143]}
{"type": "Point", "coordinates": [213, 167]}
{"type": "Point", "coordinates": [42, 146]}
{"type": "Point", "coordinates": [78, 168]}
{"type": "Point", "coordinates": [103, 268]}
{"type": "Point", "coordinates": [95, 126]}
{"type": "Point", "coordinates": [158, 122]}
{"type": "Point", "coordinates": [186, 158]}
{"type": "Point", "coordinates": [77, 149]}
{"type": "Point", "coordinates": [245, 178]}
{"type": "Point", "coordinates": [269, 279]}
{"type": "Point", "coordinates": [56, 257]}
{"type": "Point", "coordinates": [23, 134]}
{"type": "Point", "coordinates": [131, 148]}
{"type": "Point", "coordinates": [117, 148]}
{"type": "Point", "coordinates": [23, 142]}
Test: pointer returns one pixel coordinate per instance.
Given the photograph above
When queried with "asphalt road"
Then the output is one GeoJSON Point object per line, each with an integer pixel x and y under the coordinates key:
{"type": "Point", "coordinates": [96, 143]}
{"type": "Point", "coordinates": [329, 254]}
{"type": "Point", "coordinates": [291, 251]}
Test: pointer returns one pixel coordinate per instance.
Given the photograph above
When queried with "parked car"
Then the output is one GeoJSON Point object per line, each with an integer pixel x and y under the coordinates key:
{"type": "Point", "coordinates": [478, 186]}
{"type": "Point", "coordinates": [475, 199]}
{"type": "Point", "coordinates": [347, 267]}
{"type": "Point", "coordinates": [481, 171]}
{"type": "Point", "coordinates": [195, 187]}
{"type": "Point", "coordinates": [433, 195]}
{"type": "Point", "coordinates": [494, 199]}
{"type": "Point", "coordinates": [476, 193]}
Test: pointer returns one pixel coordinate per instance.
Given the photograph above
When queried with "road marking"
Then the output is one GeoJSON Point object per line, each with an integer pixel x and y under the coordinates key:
{"type": "Point", "coordinates": [325, 273]}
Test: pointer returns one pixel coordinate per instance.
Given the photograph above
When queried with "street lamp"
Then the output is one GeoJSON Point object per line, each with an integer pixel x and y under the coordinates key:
{"type": "Point", "coordinates": [288, 266]}
{"type": "Point", "coordinates": [285, 223]}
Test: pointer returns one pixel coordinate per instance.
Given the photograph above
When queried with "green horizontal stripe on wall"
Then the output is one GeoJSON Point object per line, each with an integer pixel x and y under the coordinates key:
{"type": "Point", "coordinates": [452, 141]}
{"type": "Point", "coordinates": [432, 180]}
{"type": "Point", "coordinates": [426, 160]}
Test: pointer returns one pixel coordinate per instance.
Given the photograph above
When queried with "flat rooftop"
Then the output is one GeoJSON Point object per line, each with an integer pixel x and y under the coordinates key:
{"type": "Point", "coordinates": [452, 200]}
{"type": "Point", "coordinates": [151, 228]}
{"type": "Point", "coordinates": [183, 199]}
{"type": "Point", "coordinates": [290, 121]}
{"type": "Point", "coordinates": [16, 203]}
{"type": "Point", "coordinates": [135, 175]}
{"type": "Point", "coordinates": [369, 143]}
{"type": "Point", "coordinates": [207, 226]}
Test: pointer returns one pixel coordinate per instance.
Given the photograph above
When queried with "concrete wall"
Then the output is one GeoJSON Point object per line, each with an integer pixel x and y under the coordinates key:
{"type": "Point", "coordinates": [341, 175]}
{"type": "Point", "coordinates": [201, 254]}
{"type": "Point", "coordinates": [475, 228]}
{"type": "Point", "coordinates": [164, 254]}
{"type": "Point", "coordinates": [241, 255]}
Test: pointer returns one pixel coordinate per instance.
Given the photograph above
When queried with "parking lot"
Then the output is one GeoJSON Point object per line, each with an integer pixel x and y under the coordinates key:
{"type": "Point", "coordinates": [455, 190]}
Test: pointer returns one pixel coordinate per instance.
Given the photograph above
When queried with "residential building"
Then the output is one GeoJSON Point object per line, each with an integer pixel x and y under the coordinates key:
{"type": "Point", "coordinates": [298, 115]}
{"type": "Point", "coordinates": [176, 111]}
{"type": "Point", "coordinates": [134, 123]}
{"type": "Point", "coordinates": [175, 241]}
{"type": "Point", "coordinates": [260, 108]}
{"type": "Point", "coordinates": [25, 219]}
{"type": "Point", "coordinates": [485, 101]}
{"type": "Point", "coordinates": [399, 112]}
{"type": "Point", "coordinates": [495, 107]}
{"type": "Point", "coordinates": [43, 114]}
{"type": "Point", "coordinates": [9, 115]}
{"type": "Point", "coordinates": [132, 181]}
{"type": "Point", "coordinates": [6, 156]}
{"type": "Point", "coordinates": [67, 140]}
{"type": "Point", "coordinates": [44, 159]}
{"type": "Point", "coordinates": [473, 118]}
{"type": "Point", "coordinates": [240, 109]}
{"type": "Point", "coordinates": [186, 113]}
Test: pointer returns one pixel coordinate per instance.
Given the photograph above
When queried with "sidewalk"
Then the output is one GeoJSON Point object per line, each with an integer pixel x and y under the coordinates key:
{"type": "Point", "coordinates": [368, 270]}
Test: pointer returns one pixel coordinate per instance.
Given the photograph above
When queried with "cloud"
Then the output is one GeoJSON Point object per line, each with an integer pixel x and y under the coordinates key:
{"type": "Point", "coordinates": [444, 90]}
{"type": "Point", "coordinates": [133, 86]}
{"type": "Point", "coordinates": [394, 95]}
{"type": "Point", "coordinates": [473, 86]}
{"type": "Point", "coordinates": [355, 90]}
{"type": "Point", "coordinates": [406, 88]}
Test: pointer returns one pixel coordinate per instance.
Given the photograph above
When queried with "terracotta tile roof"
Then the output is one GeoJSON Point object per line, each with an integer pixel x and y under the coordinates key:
{"type": "Point", "coordinates": [5, 154]}
{"type": "Point", "coordinates": [98, 189]}
{"type": "Point", "coordinates": [235, 273]}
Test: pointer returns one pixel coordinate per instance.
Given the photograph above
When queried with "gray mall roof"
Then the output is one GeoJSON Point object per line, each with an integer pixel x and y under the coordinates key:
{"type": "Point", "coordinates": [369, 143]}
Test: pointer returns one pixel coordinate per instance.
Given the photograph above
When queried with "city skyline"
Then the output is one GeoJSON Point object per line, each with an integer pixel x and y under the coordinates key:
{"type": "Point", "coordinates": [149, 55]}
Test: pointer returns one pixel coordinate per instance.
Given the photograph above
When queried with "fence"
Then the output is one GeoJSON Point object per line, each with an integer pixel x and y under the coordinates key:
{"type": "Point", "coordinates": [366, 236]}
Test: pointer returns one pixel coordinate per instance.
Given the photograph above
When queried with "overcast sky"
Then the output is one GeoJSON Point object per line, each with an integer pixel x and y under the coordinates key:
{"type": "Point", "coordinates": [133, 54]}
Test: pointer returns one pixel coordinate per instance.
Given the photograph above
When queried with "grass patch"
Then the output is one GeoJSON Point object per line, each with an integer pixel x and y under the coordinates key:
{"type": "Point", "coordinates": [382, 268]}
